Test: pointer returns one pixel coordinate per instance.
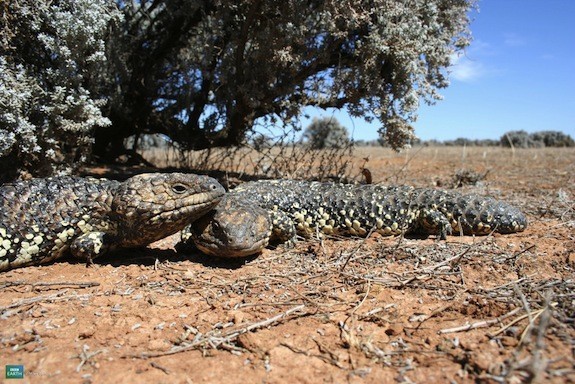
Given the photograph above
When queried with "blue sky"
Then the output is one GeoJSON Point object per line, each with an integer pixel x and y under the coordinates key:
{"type": "Point", "coordinates": [518, 73]}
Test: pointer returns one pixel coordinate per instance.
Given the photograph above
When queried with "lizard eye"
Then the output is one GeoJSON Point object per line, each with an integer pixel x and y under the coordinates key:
{"type": "Point", "coordinates": [179, 188]}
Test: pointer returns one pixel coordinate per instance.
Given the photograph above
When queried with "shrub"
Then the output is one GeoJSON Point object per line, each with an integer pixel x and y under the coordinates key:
{"type": "Point", "coordinates": [326, 132]}
{"type": "Point", "coordinates": [51, 52]}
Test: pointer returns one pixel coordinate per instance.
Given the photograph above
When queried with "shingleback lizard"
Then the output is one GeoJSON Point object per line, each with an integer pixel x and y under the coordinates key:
{"type": "Point", "coordinates": [255, 213]}
{"type": "Point", "coordinates": [41, 219]}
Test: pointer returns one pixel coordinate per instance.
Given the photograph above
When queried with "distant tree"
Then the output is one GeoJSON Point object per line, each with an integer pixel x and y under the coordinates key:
{"type": "Point", "coordinates": [326, 132]}
{"type": "Point", "coordinates": [461, 141]}
{"type": "Point", "coordinates": [487, 143]}
{"type": "Point", "coordinates": [552, 139]}
{"type": "Point", "coordinates": [517, 139]}
{"type": "Point", "coordinates": [522, 139]}
{"type": "Point", "coordinates": [433, 143]}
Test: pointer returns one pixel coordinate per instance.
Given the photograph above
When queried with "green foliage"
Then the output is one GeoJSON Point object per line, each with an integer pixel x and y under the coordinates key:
{"type": "Point", "coordinates": [326, 132]}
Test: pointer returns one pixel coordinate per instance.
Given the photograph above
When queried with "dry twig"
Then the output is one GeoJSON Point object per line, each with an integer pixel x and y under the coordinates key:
{"type": "Point", "coordinates": [87, 284]}
{"type": "Point", "coordinates": [479, 324]}
{"type": "Point", "coordinates": [9, 310]}
{"type": "Point", "coordinates": [85, 356]}
{"type": "Point", "coordinates": [216, 340]}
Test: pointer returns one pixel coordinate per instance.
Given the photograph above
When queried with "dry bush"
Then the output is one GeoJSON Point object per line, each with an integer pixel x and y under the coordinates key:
{"type": "Point", "coordinates": [279, 157]}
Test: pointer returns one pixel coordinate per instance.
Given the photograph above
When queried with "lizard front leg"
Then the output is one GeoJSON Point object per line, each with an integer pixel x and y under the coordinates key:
{"type": "Point", "coordinates": [90, 245]}
{"type": "Point", "coordinates": [434, 222]}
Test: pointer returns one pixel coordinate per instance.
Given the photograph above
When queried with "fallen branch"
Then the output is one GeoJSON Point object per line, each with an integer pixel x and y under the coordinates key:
{"type": "Point", "coordinates": [216, 341]}
{"type": "Point", "coordinates": [87, 284]}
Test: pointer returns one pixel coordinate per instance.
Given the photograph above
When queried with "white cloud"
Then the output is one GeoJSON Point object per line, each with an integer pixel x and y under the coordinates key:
{"type": "Point", "coordinates": [464, 69]}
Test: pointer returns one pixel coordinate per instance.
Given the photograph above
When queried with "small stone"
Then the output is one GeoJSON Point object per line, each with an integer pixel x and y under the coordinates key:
{"type": "Point", "coordinates": [237, 317]}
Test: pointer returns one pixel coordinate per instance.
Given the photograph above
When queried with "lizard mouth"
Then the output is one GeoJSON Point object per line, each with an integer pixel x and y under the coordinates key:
{"type": "Point", "coordinates": [231, 250]}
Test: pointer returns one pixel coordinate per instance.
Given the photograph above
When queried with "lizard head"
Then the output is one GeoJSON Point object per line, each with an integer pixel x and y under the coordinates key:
{"type": "Point", "coordinates": [232, 229]}
{"type": "Point", "coordinates": [151, 206]}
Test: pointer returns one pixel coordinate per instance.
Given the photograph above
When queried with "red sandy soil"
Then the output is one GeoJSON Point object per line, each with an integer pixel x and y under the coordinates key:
{"type": "Point", "coordinates": [490, 309]}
